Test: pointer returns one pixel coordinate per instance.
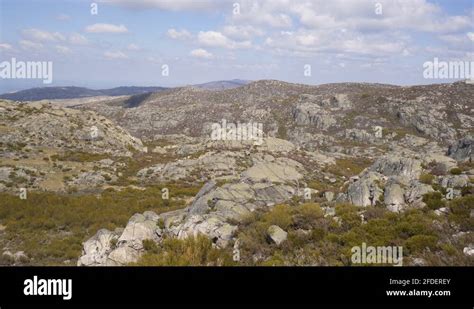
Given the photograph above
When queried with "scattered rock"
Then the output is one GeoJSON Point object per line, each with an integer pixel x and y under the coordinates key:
{"type": "Point", "coordinates": [469, 250]}
{"type": "Point", "coordinates": [329, 195]}
{"type": "Point", "coordinates": [277, 234]}
{"type": "Point", "coordinates": [418, 262]}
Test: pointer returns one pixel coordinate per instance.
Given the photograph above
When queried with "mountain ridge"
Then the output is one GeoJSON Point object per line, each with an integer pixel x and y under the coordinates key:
{"type": "Point", "coordinates": [74, 92]}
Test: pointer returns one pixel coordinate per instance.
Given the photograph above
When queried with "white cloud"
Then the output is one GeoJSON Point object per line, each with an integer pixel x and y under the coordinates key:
{"type": "Point", "coordinates": [419, 15]}
{"type": "Point", "coordinates": [178, 34]}
{"type": "Point", "coordinates": [133, 47]}
{"type": "Point", "coordinates": [201, 53]}
{"type": "Point", "coordinates": [172, 5]}
{"type": "Point", "coordinates": [242, 32]}
{"type": "Point", "coordinates": [310, 42]}
{"type": "Point", "coordinates": [470, 35]}
{"type": "Point", "coordinates": [78, 39]}
{"type": "Point", "coordinates": [106, 28]}
{"type": "Point", "coordinates": [272, 13]}
{"type": "Point", "coordinates": [217, 39]}
{"type": "Point", "coordinates": [63, 49]}
{"type": "Point", "coordinates": [42, 36]}
{"type": "Point", "coordinates": [307, 39]}
{"type": "Point", "coordinates": [5, 46]}
{"type": "Point", "coordinates": [29, 45]}
{"type": "Point", "coordinates": [115, 55]}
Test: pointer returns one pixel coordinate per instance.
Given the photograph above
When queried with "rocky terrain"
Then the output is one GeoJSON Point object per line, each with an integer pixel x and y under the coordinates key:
{"type": "Point", "coordinates": [338, 164]}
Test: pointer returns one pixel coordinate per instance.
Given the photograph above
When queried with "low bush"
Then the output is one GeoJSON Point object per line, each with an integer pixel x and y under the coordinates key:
{"type": "Point", "coordinates": [426, 178]}
{"type": "Point", "coordinates": [419, 243]}
{"type": "Point", "coordinates": [51, 227]}
{"type": "Point", "coordinates": [434, 200]}
{"type": "Point", "coordinates": [192, 251]}
{"type": "Point", "coordinates": [455, 171]}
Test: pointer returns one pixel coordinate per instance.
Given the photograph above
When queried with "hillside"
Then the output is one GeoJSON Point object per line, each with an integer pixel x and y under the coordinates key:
{"type": "Point", "coordinates": [133, 179]}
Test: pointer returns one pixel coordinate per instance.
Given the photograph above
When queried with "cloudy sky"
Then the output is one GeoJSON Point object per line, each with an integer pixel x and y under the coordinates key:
{"type": "Point", "coordinates": [128, 41]}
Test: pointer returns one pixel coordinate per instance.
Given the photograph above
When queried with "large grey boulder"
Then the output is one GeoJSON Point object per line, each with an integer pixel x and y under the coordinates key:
{"type": "Point", "coordinates": [427, 120]}
{"type": "Point", "coordinates": [393, 196]}
{"type": "Point", "coordinates": [359, 135]}
{"type": "Point", "coordinates": [454, 181]}
{"type": "Point", "coordinates": [414, 193]}
{"type": "Point", "coordinates": [272, 144]}
{"type": "Point", "coordinates": [394, 165]}
{"type": "Point", "coordinates": [139, 228]}
{"type": "Point", "coordinates": [214, 227]}
{"type": "Point", "coordinates": [312, 114]}
{"type": "Point", "coordinates": [276, 234]}
{"type": "Point", "coordinates": [365, 191]}
{"type": "Point", "coordinates": [122, 256]}
{"type": "Point", "coordinates": [96, 249]}
{"type": "Point", "coordinates": [200, 204]}
{"type": "Point", "coordinates": [282, 170]}
{"type": "Point", "coordinates": [122, 246]}
{"type": "Point", "coordinates": [462, 150]}
{"type": "Point", "coordinates": [215, 164]}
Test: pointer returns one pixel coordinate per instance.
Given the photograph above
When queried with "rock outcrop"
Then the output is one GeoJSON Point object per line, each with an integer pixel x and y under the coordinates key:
{"type": "Point", "coordinates": [462, 150]}
{"type": "Point", "coordinates": [269, 182]}
{"type": "Point", "coordinates": [121, 247]}
{"type": "Point", "coordinates": [392, 181]}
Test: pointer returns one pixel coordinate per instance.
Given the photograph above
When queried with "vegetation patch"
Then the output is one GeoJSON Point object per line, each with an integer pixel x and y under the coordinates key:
{"type": "Point", "coordinates": [51, 227]}
{"type": "Point", "coordinates": [192, 251]}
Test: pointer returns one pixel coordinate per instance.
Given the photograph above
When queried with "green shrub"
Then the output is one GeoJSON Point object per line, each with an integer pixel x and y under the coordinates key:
{"type": "Point", "coordinates": [348, 167]}
{"type": "Point", "coordinates": [77, 156]}
{"type": "Point", "coordinates": [460, 212]}
{"type": "Point", "coordinates": [161, 223]}
{"type": "Point", "coordinates": [455, 171]}
{"type": "Point", "coordinates": [419, 243]}
{"type": "Point", "coordinates": [113, 243]}
{"type": "Point", "coordinates": [439, 188]}
{"type": "Point", "coordinates": [433, 200]}
{"type": "Point", "coordinates": [51, 227]}
{"type": "Point", "coordinates": [192, 251]}
{"type": "Point", "coordinates": [412, 222]}
{"type": "Point", "coordinates": [467, 190]}
{"type": "Point", "coordinates": [310, 211]}
{"type": "Point", "coordinates": [280, 215]}
{"type": "Point", "coordinates": [426, 178]}
{"type": "Point", "coordinates": [150, 246]}
{"type": "Point", "coordinates": [349, 216]}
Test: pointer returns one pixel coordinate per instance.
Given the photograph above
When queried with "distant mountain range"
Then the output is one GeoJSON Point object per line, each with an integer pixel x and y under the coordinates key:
{"type": "Point", "coordinates": [53, 93]}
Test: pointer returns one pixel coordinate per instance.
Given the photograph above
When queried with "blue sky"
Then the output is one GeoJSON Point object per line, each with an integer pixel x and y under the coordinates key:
{"type": "Point", "coordinates": [127, 42]}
